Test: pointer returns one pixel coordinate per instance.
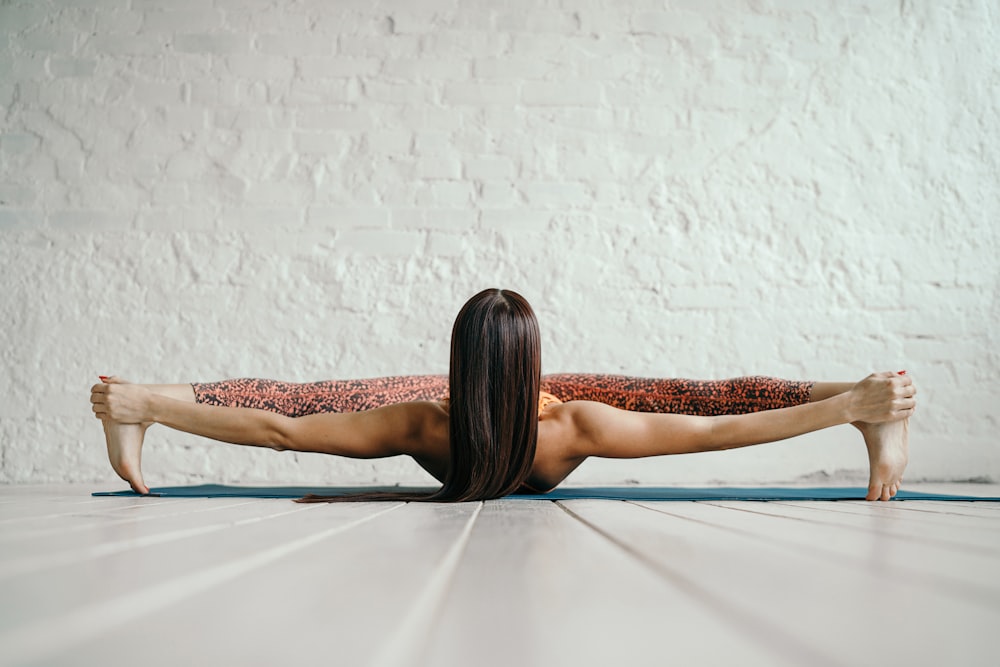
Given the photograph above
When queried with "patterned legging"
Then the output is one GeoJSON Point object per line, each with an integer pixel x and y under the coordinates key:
{"type": "Point", "coordinates": [693, 397]}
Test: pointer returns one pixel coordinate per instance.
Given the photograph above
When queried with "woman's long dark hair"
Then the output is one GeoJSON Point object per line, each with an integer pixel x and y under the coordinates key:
{"type": "Point", "coordinates": [494, 377]}
{"type": "Point", "coordinates": [494, 380]}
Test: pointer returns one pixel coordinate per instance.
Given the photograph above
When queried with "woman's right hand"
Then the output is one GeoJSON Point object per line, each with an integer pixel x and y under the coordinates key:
{"type": "Point", "coordinates": [120, 401]}
{"type": "Point", "coordinates": [882, 397]}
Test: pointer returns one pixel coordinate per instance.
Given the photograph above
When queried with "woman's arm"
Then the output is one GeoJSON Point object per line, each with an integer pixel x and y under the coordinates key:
{"type": "Point", "coordinates": [386, 431]}
{"type": "Point", "coordinates": [609, 432]}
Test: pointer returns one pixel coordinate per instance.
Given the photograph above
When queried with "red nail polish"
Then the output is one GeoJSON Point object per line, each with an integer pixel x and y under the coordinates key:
{"type": "Point", "coordinates": [901, 373]}
{"type": "Point", "coordinates": [104, 378]}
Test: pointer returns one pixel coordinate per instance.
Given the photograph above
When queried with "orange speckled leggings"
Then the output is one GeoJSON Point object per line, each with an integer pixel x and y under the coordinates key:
{"type": "Point", "coordinates": [693, 397]}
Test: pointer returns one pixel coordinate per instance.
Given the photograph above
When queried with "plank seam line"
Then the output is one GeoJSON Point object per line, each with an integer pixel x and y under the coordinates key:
{"type": "Point", "coordinates": [76, 513]}
{"type": "Point", "coordinates": [409, 641]}
{"type": "Point", "coordinates": [883, 510]}
{"type": "Point", "coordinates": [41, 562]}
{"type": "Point", "coordinates": [896, 509]}
{"type": "Point", "coordinates": [77, 527]}
{"type": "Point", "coordinates": [939, 542]}
{"type": "Point", "coordinates": [782, 642]}
{"type": "Point", "coordinates": [51, 635]}
{"type": "Point", "coordinates": [940, 584]}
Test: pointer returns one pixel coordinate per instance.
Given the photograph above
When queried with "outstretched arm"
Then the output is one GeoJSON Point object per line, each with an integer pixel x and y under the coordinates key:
{"type": "Point", "coordinates": [608, 432]}
{"type": "Point", "coordinates": [385, 431]}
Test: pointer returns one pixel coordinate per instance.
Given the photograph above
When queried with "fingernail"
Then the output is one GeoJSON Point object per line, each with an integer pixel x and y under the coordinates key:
{"type": "Point", "coordinates": [901, 373]}
{"type": "Point", "coordinates": [104, 378]}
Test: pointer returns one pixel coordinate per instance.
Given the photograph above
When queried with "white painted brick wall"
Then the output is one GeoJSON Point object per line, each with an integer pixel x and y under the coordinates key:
{"type": "Point", "coordinates": [199, 189]}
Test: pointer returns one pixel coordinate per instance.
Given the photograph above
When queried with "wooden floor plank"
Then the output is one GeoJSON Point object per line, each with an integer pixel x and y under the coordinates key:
{"type": "Point", "coordinates": [408, 639]}
{"type": "Point", "coordinates": [34, 599]}
{"type": "Point", "coordinates": [23, 498]}
{"type": "Point", "coordinates": [963, 534]}
{"type": "Point", "coordinates": [44, 490]}
{"type": "Point", "coordinates": [947, 508]}
{"type": "Point", "coordinates": [978, 505]}
{"type": "Point", "coordinates": [536, 586]}
{"type": "Point", "coordinates": [108, 520]}
{"type": "Point", "coordinates": [42, 641]}
{"type": "Point", "coordinates": [963, 577]}
{"type": "Point", "coordinates": [42, 509]}
{"type": "Point", "coordinates": [340, 598]}
{"type": "Point", "coordinates": [845, 614]}
{"type": "Point", "coordinates": [910, 513]}
{"type": "Point", "coordinates": [943, 511]}
{"type": "Point", "coordinates": [67, 548]}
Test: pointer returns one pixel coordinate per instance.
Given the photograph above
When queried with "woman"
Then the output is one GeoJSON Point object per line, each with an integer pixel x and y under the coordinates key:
{"type": "Point", "coordinates": [504, 428]}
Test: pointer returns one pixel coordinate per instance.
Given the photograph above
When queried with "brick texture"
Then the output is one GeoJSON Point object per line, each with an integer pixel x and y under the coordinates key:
{"type": "Point", "coordinates": [199, 189]}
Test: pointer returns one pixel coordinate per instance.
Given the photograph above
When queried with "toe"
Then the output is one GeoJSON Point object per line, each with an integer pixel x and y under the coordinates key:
{"type": "Point", "coordinates": [885, 492]}
{"type": "Point", "coordinates": [135, 481]}
{"type": "Point", "coordinates": [874, 490]}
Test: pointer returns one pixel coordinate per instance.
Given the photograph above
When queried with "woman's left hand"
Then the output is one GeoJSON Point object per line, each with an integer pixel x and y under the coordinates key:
{"type": "Point", "coordinates": [120, 401]}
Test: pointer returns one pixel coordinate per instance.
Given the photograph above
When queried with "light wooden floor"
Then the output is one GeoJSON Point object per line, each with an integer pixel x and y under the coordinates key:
{"type": "Point", "coordinates": [146, 581]}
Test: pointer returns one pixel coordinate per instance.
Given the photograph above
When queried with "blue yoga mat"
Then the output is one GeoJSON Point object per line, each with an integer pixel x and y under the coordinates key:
{"type": "Point", "coordinates": [567, 493]}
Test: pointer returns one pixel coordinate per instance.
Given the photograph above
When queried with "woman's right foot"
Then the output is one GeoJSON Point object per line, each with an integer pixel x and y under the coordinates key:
{"type": "Point", "coordinates": [888, 454]}
{"type": "Point", "coordinates": [125, 452]}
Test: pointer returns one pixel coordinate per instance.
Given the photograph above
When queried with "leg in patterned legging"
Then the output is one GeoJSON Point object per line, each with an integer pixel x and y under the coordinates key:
{"type": "Point", "coordinates": [698, 397]}
{"type": "Point", "coordinates": [299, 399]}
{"type": "Point", "coordinates": [693, 397]}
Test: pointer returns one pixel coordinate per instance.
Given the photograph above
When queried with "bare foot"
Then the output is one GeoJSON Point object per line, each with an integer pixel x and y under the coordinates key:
{"type": "Point", "coordinates": [125, 451]}
{"type": "Point", "coordinates": [888, 453]}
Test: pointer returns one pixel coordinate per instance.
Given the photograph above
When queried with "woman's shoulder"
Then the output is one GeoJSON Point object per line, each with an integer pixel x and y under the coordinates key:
{"type": "Point", "coordinates": [559, 427]}
{"type": "Point", "coordinates": [557, 452]}
{"type": "Point", "coordinates": [428, 439]}
{"type": "Point", "coordinates": [569, 427]}
{"type": "Point", "coordinates": [570, 410]}
{"type": "Point", "coordinates": [429, 421]}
